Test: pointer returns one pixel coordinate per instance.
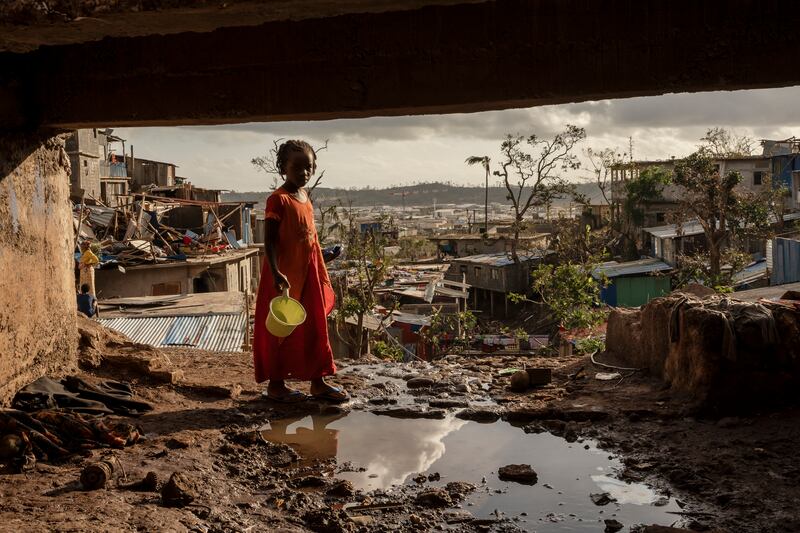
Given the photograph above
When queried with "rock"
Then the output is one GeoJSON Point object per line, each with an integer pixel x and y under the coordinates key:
{"type": "Point", "coordinates": [459, 490]}
{"type": "Point", "coordinates": [612, 526]}
{"type": "Point", "coordinates": [570, 435]}
{"type": "Point", "coordinates": [436, 476]}
{"type": "Point", "coordinates": [601, 498]}
{"type": "Point", "coordinates": [519, 381]}
{"type": "Point", "coordinates": [342, 489]}
{"type": "Point", "coordinates": [522, 474]}
{"type": "Point", "coordinates": [479, 414]}
{"type": "Point", "coordinates": [420, 383]}
{"type": "Point", "coordinates": [457, 517]}
{"type": "Point", "coordinates": [412, 412]}
{"type": "Point", "coordinates": [309, 481]}
{"type": "Point", "coordinates": [434, 498]}
{"type": "Point", "coordinates": [363, 520]}
{"type": "Point", "coordinates": [179, 491]}
{"type": "Point", "coordinates": [329, 521]}
{"type": "Point", "coordinates": [447, 403]}
{"type": "Point", "coordinates": [539, 376]}
{"type": "Point", "coordinates": [176, 444]}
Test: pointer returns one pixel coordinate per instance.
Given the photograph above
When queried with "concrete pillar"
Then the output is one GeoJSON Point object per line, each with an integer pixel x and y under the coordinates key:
{"type": "Point", "coordinates": [38, 333]}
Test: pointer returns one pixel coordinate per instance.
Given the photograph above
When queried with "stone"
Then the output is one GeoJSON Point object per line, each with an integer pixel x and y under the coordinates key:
{"type": "Point", "coordinates": [459, 516]}
{"type": "Point", "coordinates": [601, 498]}
{"type": "Point", "coordinates": [341, 489]}
{"type": "Point", "coordinates": [518, 473]}
{"type": "Point", "coordinates": [479, 414]}
{"type": "Point", "coordinates": [446, 403]}
{"type": "Point", "coordinates": [412, 412]}
{"type": "Point", "coordinates": [434, 498]}
{"type": "Point", "coordinates": [612, 526]}
{"type": "Point", "coordinates": [179, 491]}
{"type": "Point", "coordinates": [459, 490]}
{"type": "Point", "coordinates": [519, 381]}
{"type": "Point", "coordinates": [420, 383]}
{"type": "Point", "coordinates": [176, 444]}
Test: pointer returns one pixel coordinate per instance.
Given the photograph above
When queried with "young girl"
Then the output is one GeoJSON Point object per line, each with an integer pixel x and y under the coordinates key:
{"type": "Point", "coordinates": [294, 261]}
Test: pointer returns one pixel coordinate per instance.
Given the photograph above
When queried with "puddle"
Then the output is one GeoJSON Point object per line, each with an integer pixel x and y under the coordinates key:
{"type": "Point", "coordinates": [388, 452]}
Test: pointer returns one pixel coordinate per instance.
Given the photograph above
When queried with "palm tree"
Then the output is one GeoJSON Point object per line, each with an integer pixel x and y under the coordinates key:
{"type": "Point", "coordinates": [483, 161]}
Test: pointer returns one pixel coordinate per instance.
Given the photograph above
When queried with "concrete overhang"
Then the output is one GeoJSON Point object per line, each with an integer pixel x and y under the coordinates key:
{"type": "Point", "coordinates": [314, 60]}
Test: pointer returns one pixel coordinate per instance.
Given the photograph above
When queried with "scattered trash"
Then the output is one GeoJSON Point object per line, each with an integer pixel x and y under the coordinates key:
{"type": "Point", "coordinates": [96, 475]}
{"type": "Point", "coordinates": [607, 376]}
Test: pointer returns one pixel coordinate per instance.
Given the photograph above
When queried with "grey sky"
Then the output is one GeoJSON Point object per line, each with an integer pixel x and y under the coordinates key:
{"type": "Point", "coordinates": [389, 151]}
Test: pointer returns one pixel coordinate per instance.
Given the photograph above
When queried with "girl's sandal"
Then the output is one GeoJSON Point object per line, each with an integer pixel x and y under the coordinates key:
{"type": "Point", "coordinates": [333, 395]}
{"type": "Point", "coordinates": [294, 396]}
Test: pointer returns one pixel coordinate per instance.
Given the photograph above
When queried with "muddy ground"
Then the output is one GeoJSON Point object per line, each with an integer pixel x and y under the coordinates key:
{"type": "Point", "coordinates": [736, 474]}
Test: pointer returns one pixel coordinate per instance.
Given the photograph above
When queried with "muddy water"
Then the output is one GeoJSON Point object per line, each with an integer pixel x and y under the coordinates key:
{"type": "Point", "coordinates": [387, 452]}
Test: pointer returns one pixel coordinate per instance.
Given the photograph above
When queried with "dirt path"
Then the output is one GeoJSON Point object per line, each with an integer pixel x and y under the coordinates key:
{"type": "Point", "coordinates": [205, 427]}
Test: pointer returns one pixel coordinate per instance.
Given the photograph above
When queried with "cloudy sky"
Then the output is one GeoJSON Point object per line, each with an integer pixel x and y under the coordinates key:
{"type": "Point", "coordinates": [401, 150]}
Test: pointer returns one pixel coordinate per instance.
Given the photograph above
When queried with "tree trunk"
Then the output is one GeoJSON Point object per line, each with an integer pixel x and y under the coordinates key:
{"type": "Point", "coordinates": [714, 259]}
{"type": "Point", "coordinates": [360, 335]}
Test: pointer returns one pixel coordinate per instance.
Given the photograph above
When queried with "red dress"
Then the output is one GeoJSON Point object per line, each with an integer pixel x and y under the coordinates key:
{"type": "Point", "coordinates": [305, 354]}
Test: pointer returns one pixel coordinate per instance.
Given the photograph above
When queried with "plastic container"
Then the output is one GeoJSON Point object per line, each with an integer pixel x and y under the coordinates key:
{"type": "Point", "coordinates": [285, 314]}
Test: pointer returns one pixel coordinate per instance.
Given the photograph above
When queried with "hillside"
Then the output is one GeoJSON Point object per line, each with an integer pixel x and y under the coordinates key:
{"type": "Point", "coordinates": [409, 195]}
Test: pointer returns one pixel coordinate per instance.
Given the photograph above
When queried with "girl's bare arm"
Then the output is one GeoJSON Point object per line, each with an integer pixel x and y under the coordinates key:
{"type": "Point", "coordinates": [270, 247]}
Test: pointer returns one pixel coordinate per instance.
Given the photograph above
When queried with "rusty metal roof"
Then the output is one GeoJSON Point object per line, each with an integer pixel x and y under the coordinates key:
{"type": "Point", "coordinates": [215, 332]}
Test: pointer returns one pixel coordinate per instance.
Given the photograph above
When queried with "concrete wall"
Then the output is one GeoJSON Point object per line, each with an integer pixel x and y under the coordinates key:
{"type": "Point", "coordinates": [140, 281]}
{"type": "Point", "coordinates": [38, 334]}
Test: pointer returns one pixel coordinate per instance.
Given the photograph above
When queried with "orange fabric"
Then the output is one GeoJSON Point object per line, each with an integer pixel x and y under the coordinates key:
{"type": "Point", "coordinates": [306, 353]}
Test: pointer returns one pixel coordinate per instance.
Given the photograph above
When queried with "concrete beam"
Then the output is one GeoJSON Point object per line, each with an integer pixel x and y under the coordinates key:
{"type": "Point", "coordinates": [436, 59]}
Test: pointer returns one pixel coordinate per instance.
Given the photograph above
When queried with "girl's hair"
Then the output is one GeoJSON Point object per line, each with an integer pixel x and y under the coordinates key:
{"type": "Point", "coordinates": [293, 145]}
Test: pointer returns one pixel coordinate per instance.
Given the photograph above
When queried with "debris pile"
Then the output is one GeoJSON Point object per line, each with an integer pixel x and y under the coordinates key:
{"type": "Point", "coordinates": [152, 229]}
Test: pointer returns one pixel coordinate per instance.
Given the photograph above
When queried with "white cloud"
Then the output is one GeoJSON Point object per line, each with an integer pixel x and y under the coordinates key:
{"type": "Point", "coordinates": [385, 151]}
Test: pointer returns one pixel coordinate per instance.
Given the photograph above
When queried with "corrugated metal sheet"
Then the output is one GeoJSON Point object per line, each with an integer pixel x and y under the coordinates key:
{"type": "Point", "coordinates": [693, 227]}
{"type": "Point", "coordinates": [750, 273]}
{"type": "Point", "coordinates": [785, 261]}
{"type": "Point", "coordinates": [670, 231]}
{"type": "Point", "coordinates": [613, 269]}
{"type": "Point", "coordinates": [224, 333]}
{"type": "Point", "coordinates": [498, 259]}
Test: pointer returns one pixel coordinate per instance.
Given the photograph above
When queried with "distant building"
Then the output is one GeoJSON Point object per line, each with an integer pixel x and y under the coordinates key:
{"type": "Point", "coordinates": [633, 283]}
{"type": "Point", "coordinates": [99, 173]}
{"type": "Point", "coordinates": [83, 148]}
{"type": "Point", "coordinates": [232, 271]}
{"type": "Point", "coordinates": [144, 172]}
{"type": "Point", "coordinates": [492, 276]}
{"type": "Point", "coordinates": [780, 159]}
{"type": "Point", "coordinates": [462, 245]}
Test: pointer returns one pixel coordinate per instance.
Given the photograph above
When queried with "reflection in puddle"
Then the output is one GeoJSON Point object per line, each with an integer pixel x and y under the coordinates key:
{"type": "Point", "coordinates": [391, 451]}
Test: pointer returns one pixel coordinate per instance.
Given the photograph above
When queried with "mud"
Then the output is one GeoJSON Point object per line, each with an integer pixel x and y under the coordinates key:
{"type": "Point", "coordinates": [250, 464]}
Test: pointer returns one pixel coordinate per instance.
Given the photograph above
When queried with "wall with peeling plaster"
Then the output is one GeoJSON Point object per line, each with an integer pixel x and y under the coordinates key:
{"type": "Point", "coordinates": [38, 333]}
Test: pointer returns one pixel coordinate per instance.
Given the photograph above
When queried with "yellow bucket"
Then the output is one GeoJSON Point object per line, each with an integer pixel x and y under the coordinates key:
{"type": "Point", "coordinates": [285, 314]}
